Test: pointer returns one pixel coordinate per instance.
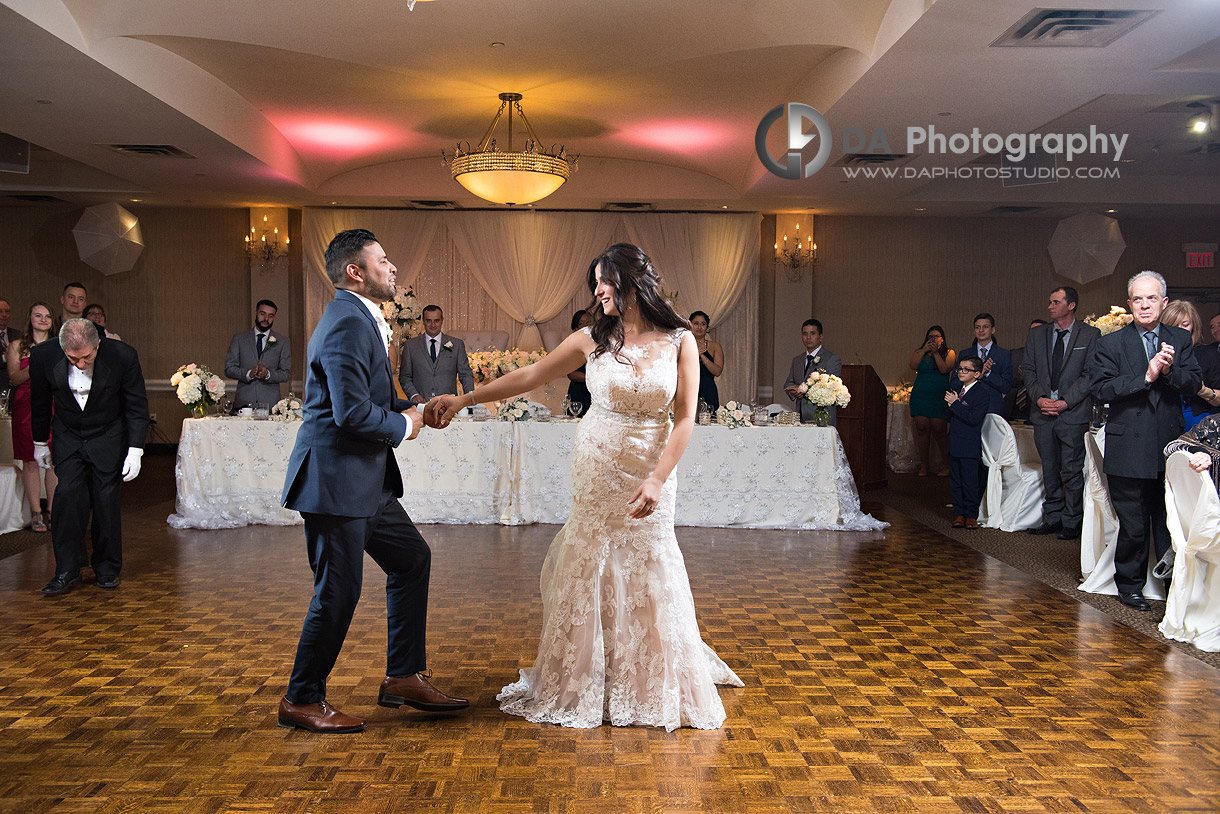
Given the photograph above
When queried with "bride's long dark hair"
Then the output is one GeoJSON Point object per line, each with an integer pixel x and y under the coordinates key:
{"type": "Point", "coordinates": [625, 267]}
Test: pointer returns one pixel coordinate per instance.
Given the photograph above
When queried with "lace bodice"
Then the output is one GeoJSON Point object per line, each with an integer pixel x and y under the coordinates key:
{"type": "Point", "coordinates": [641, 382]}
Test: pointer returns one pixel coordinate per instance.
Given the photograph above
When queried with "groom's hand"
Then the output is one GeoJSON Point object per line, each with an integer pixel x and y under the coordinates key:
{"type": "Point", "coordinates": [416, 421]}
{"type": "Point", "coordinates": [431, 417]}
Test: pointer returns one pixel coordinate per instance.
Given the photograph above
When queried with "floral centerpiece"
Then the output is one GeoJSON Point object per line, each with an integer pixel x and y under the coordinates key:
{"type": "Point", "coordinates": [1109, 323]}
{"type": "Point", "coordinates": [492, 364]}
{"type": "Point", "coordinates": [734, 415]}
{"type": "Point", "coordinates": [514, 409]}
{"type": "Point", "coordinates": [197, 387]}
{"type": "Point", "coordinates": [403, 313]}
{"type": "Point", "coordinates": [823, 390]}
{"type": "Point", "coordinates": [287, 409]}
{"type": "Point", "coordinates": [902, 393]}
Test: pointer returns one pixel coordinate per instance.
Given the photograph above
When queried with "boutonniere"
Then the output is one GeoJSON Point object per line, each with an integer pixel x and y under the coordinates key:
{"type": "Point", "coordinates": [270, 340]}
{"type": "Point", "coordinates": [448, 345]}
{"type": "Point", "coordinates": [817, 359]}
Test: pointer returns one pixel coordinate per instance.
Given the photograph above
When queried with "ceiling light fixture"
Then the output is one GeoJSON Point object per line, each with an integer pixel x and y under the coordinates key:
{"type": "Point", "coordinates": [265, 250]}
{"type": "Point", "coordinates": [411, 4]}
{"type": "Point", "coordinates": [1209, 120]}
{"type": "Point", "coordinates": [508, 177]}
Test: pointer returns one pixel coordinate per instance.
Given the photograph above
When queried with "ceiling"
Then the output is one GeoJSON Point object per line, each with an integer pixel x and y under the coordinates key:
{"type": "Point", "coordinates": [292, 103]}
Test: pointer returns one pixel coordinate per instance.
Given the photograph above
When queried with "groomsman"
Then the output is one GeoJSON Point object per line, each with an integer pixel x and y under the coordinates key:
{"type": "Point", "coordinates": [1141, 370]}
{"type": "Point", "coordinates": [1057, 375]}
{"type": "Point", "coordinates": [996, 361]}
{"type": "Point", "coordinates": [260, 360]}
{"type": "Point", "coordinates": [434, 362]}
{"type": "Point", "coordinates": [815, 358]}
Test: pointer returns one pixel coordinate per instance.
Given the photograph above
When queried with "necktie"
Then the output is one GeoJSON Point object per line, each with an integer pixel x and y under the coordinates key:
{"type": "Point", "coordinates": [808, 364]}
{"type": "Point", "coordinates": [1057, 357]}
{"type": "Point", "coordinates": [982, 355]}
{"type": "Point", "coordinates": [432, 351]}
{"type": "Point", "coordinates": [262, 338]}
{"type": "Point", "coordinates": [1150, 340]}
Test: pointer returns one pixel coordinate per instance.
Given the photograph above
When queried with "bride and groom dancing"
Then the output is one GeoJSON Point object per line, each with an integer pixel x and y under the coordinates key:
{"type": "Point", "coordinates": [619, 641]}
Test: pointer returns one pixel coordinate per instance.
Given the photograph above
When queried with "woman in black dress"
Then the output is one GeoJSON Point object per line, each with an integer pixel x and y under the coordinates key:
{"type": "Point", "coordinates": [711, 359]}
{"type": "Point", "coordinates": [578, 392]}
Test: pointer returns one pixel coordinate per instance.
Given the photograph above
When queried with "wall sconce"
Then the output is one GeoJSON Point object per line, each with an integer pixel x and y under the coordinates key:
{"type": "Point", "coordinates": [798, 257]}
{"type": "Point", "coordinates": [266, 247]}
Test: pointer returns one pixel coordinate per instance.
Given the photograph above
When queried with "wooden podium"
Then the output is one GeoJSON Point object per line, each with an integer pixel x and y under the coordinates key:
{"type": "Point", "coordinates": [862, 426]}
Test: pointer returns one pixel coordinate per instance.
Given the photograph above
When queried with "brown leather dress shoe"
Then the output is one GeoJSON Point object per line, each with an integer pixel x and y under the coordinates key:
{"type": "Point", "coordinates": [415, 691]}
{"type": "Point", "coordinates": [320, 717]}
{"type": "Point", "coordinates": [959, 522]}
{"type": "Point", "coordinates": [971, 523]}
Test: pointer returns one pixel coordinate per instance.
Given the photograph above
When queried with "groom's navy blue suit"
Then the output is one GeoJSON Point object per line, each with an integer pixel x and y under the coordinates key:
{"type": "Point", "coordinates": [343, 478]}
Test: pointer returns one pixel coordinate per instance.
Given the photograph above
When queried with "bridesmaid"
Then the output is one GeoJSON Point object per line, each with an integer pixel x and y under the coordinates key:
{"type": "Point", "coordinates": [711, 360]}
{"type": "Point", "coordinates": [39, 328]}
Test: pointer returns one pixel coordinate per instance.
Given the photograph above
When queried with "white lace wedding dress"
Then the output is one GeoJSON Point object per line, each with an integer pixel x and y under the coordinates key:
{"type": "Point", "coordinates": [619, 639]}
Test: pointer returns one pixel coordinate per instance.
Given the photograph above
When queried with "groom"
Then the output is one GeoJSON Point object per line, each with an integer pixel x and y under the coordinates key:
{"type": "Point", "coordinates": [344, 480]}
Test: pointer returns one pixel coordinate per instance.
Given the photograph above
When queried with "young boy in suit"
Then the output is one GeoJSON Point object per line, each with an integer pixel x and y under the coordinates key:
{"type": "Point", "coordinates": [967, 409]}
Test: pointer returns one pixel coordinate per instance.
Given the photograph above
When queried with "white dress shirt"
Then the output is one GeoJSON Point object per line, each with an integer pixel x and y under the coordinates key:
{"type": "Point", "coordinates": [378, 317]}
{"type": "Point", "coordinates": [80, 382]}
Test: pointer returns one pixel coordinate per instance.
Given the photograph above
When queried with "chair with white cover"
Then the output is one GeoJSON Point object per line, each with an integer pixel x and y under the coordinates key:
{"type": "Point", "coordinates": [1013, 498]}
{"type": "Point", "coordinates": [482, 340]}
{"type": "Point", "coordinates": [1192, 611]}
{"type": "Point", "coordinates": [1099, 528]}
{"type": "Point", "coordinates": [775, 408]}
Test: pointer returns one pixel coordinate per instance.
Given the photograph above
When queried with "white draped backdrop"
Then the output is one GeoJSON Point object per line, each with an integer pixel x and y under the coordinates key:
{"type": "Point", "coordinates": [524, 272]}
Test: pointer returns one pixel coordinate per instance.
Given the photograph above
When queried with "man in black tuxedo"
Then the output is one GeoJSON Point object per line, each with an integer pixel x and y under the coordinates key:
{"type": "Point", "coordinates": [1058, 381]}
{"type": "Point", "coordinates": [88, 394]}
{"type": "Point", "coordinates": [1141, 370]}
{"type": "Point", "coordinates": [344, 480]}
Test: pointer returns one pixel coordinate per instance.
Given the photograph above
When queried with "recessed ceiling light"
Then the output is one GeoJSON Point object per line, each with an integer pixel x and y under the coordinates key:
{"type": "Point", "coordinates": [1111, 211]}
{"type": "Point", "coordinates": [921, 209]}
{"type": "Point", "coordinates": [724, 206]}
{"type": "Point", "coordinates": [136, 200]}
{"type": "Point", "coordinates": [496, 44]}
{"type": "Point", "coordinates": [332, 203]}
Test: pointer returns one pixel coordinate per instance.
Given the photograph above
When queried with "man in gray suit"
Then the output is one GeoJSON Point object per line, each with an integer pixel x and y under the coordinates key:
{"type": "Point", "coordinates": [1057, 378]}
{"type": "Point", "coordinates": [433, 362]}
{"type": "Point", "coordinates": [260, 360]}
{"type": "Point", "coordinates": [814, 358]}
{"type": "Point", "coordinates": [1142, 371]}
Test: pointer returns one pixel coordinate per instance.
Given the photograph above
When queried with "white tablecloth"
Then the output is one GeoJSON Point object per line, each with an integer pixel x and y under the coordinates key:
{"type": "Point", "coordinates": [231, 472]}
{"type": "Point", "coordinates": [14, 511]}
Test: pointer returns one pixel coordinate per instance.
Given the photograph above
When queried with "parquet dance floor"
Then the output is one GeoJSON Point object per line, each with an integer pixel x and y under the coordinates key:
{"type": "Point", "coordinates": [884, 673]}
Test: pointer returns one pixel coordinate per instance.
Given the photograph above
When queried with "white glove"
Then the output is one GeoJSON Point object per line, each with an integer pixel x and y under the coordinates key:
{"type": "Point", "coordinates": [131, 464]}
{"type": "Point", "coordinates": [42, 456]}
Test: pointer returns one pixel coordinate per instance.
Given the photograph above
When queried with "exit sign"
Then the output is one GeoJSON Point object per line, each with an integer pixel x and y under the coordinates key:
{"type": "Point", "coordinates": [1200, 260]}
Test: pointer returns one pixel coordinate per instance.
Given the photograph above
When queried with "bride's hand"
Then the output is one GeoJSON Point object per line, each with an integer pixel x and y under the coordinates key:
{"type": "Point", "coordinates": [644, 501]}
{"type": "Point", "coordinates": [446, 407]}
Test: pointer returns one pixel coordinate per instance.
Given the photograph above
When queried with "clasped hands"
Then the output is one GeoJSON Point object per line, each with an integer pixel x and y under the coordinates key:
{"type": "Point", "coordinates": [1160, 363]}
{"type": "Point", "coordinates": [436, 414]}
{"type": "Point", "coordinates": [260, 371]}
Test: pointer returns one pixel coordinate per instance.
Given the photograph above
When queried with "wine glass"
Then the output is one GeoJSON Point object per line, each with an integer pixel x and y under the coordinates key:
{"type": "Point", "coordinates": [574, 408]}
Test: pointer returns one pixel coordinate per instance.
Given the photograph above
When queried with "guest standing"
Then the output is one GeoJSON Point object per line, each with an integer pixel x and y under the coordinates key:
{"type": "Point", "coordinates": [931, 362]}
{"type": "Point", "coordinates": [1182, 314]}
{"type": "Point", "coordinates": [39, 323]}
{"type": "Point", "coordinates": [260, 360]}
{"type": "Point", "coordinates": [578, 390]}
{"type": "Point", "coordinates": [96, 314]}
{"type": "Point", "coordinates": [71, 303]}
{"type": "Point", "coordinates": [815, 358]}
{"type": "Point", "coordinates": [1141, 370]}
{"type": "Point", "coordinates": [996, 361]}
{"type": "Point", "coordinates": [711, 360]}
{"type": "Point", "coordinates": [434, 362]}
{"type": "Point", "coordinates": [91, 391]}
{"type": "Point", "coordinates": [1016, 403]}
{"type": "Point", "coordinates": [967, 409]}
{"type": "Point", "coordinates": [1058, 373]}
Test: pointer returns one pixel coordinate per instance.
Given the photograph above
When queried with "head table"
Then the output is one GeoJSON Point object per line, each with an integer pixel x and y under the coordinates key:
{"type": "Point", "coordinates": [230, 472]}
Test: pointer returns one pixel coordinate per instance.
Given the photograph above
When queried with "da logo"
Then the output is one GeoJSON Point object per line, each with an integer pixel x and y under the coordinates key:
{"type": "Point", "coordinates": [797, 114]}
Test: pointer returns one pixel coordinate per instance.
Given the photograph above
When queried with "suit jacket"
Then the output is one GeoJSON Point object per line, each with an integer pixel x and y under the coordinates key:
{"type": "Point", "coordinates": [1018, 383]}
{"type": "Point", "coordinates": [998, 382]}
{"type": "Point", "coordinates": [344, 452]}
{"type": "Point", "coordinates": [1209, 364]}
{"type": "Point", "coordinates": [5, 382]}
{"type": "Point", "coordinates": [1143, 417]}
{"type": "Point", "coordinates": [420, 376]}
{"type": "Point", "coordinates": [115, 415]}
{"type": "Point", "coordinates": [1075, 375]}
{"type": "Point", "coordinates": [966, 422]}
{"type": "Point", "coordinates": [243, 355]}
{"type": "Point", "coordinates": [827, 363]}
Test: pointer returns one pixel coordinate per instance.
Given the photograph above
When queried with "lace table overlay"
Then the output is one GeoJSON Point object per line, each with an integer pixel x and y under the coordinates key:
{"type": "Point", "coordinates": [231, 472]}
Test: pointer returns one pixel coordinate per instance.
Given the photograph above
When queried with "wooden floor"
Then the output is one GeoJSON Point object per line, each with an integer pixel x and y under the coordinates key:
{"type": "Point", "coordinates": [884, 673]}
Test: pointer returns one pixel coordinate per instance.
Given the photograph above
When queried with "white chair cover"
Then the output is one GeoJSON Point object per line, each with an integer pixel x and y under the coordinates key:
{"type": "Point", "coordinates": [14, 508]}
{"type": "Point", "coordinates": [482, 340]}
{"type": "Point", "coordinates": [1013, 498]}
{"type": "Point", "coordinates": [1192, 612]}
{"type": "Point", "coordinates": [1099, 529]}
{"type": "Point", "coordinates": [775, 408]}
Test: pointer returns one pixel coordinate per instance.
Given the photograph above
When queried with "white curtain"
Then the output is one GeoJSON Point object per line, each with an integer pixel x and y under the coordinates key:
{"type": "Point", "coordinates": [531, 263]}
{"type": "Point", "coordinates": [405, 235]}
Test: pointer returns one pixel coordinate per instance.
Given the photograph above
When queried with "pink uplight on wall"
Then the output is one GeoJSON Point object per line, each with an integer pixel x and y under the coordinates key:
{"type": "Point", "coordinates": [337, 138]}
{"type": "Point", "coordinates": [678, 136]}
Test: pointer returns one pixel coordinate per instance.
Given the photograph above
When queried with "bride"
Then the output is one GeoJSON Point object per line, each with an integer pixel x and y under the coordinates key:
{"type": "Point", "coordinates": [619, 639]}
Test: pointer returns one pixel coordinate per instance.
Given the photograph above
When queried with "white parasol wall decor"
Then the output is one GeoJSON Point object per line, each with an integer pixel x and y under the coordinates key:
{"type": "Point", "coordinates": [1086, 246]}
{"type": "Point", "coordinates": [108, 238]}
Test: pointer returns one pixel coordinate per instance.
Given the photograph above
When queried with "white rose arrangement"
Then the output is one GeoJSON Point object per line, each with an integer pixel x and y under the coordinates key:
{"type": "Point", "coordinates": [734, 415]}
{"type": "Point", "coordinates": [197, 387]}
{"type": "Point", "coordinates": [1117, 319]}
{"type": "Point", "coordinates": [492, 364]}
{"type": "Point", "coordinates": [403, 313]}
{"type": "Point", "coordinates": [287, 409]}
{"type": "Point", "coordinates": [824, 390]}
{"type": "Point", "coordinates": [514, 409]}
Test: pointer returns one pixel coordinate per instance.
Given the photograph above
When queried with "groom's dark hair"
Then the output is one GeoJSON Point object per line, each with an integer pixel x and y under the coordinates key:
{"type": "Point", "coordinates": [345, 248]}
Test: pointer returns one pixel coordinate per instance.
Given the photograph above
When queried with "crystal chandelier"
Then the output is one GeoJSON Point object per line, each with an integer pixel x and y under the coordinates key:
{"type": "Point", "coordinates": [797, 258]}
{"type": "Point", "coordinates": [508, 177]}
